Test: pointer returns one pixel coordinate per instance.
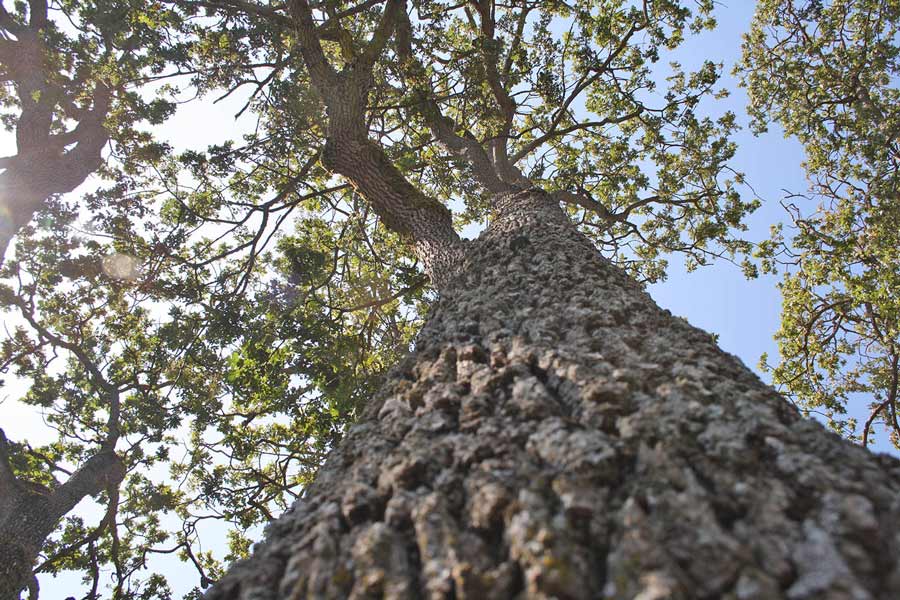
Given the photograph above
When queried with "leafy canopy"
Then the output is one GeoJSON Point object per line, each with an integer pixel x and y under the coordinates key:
{"type": "Point", "coordinates": [827, 73]}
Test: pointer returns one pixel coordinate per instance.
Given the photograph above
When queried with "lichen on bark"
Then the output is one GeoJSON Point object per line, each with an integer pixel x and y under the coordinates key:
{"type": "Point", "coordinates": [555, 434]}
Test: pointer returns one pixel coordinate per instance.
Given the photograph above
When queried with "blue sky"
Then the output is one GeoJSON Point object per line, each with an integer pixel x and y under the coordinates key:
{"type": "Point", "coordinates": [718, 298]}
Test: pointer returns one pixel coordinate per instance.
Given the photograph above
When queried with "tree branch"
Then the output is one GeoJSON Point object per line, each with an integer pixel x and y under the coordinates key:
{"type": "Point", "coordinates": [7, 477]}
{"type": "Point", "coordinates": [37, 14]}
{"type": "Point", "coordinates": [586, 202]}
{"type": "Point", "coordinates": [537, 142]}
{"type": "Point", "coordinates": [8, 23]}
{"type": "Point", "coordinates": [99, 472]}
{"type": "Point", "coordinates": [381, 301]}
{"type": "Point", "coordinates": [10, 56]}
{"type": "Point", "coordinates": [94, 373]}
{"type": "Point", "coordinates": [348, 150]}
{"type": "Point", "coordinates": [107, 521]}
{"type": "Point", "coordinates": [380, 36]}
{"type": "Point", "coordinates": [588, 78]}
{"type": "Point", "coordinates": [464, 146]}
{"type": "Point", "coordinates": [321, 73]}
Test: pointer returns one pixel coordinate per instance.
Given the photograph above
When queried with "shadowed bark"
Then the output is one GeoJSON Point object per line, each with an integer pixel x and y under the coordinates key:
{"type": "Point", "coordinates": [555, 434]}
{"type": "Point", "coordinates": [30, 512]}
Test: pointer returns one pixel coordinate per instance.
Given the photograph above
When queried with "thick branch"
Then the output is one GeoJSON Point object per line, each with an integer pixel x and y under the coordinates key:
{"type": "Point", "coordinates": [516, 42]}
{"type": "Point", "coordinates": [102, 471]}
{"type": "Point", "coordinates": [490, 52]}
{"type": "Point", "coordinates": [349, 152]}
{"type": "Point", "coordinates": [380, 37]}
{"type": "Point", "coordinates": [8, 23]}
{"type": "Point", "coordinates": [586, 202]}
{"type": "Point", "coordinates": [37, 18]}
{"type": "Point", "coordinates": [10, 54]}
{"type": "Point", "coordinates": [41, 169]}
{"type": "Point", "coordinates": [464, 146]}
{"type": "Point", "coordinates": [320, 72]}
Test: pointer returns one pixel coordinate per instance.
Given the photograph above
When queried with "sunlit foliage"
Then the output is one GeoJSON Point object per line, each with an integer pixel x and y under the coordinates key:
{"type": "Point", "coordinates": [826, 71]}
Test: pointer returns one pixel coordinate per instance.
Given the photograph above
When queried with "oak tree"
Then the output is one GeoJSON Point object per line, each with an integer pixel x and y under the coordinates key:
{"type": "Point", "coordinates": [552, 431]}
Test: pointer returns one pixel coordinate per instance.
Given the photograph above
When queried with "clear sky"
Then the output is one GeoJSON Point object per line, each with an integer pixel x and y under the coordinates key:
{"type": "Point", "coordinates": [717, 298]}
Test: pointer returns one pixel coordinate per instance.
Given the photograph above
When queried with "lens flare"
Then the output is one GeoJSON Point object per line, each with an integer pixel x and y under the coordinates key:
{"type": "Point", "coordinates": [121, 266]}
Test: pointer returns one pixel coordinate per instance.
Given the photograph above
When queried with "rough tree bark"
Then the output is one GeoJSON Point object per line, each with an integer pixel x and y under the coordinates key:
{"type": "Point", "coordinates": [555, 434]}
{"type": "Point", "coordinates": [29, 512]}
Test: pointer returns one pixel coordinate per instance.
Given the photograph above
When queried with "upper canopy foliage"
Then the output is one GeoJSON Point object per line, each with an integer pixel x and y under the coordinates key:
{"type": "Point", "coordinates": [217, 315]}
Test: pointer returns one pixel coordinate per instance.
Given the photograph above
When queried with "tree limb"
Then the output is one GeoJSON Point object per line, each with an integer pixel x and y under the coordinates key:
{"type": "Point", "coordinates": [8, 23]}
{"type": "Point", "coordinates": [464, 146]}
{"type": "Point", "coordinates": [99, 472]}
{"type": "Point", "coordinates": [537, 142]}
{"type": "Point", "coordinates": [321, 73]}
{"type": "Point", "coordinates": [586, 202]}
{"type": "Point", "coordinates": [94, 373]}
{"type": "Point", "coordinates": [349, 151]}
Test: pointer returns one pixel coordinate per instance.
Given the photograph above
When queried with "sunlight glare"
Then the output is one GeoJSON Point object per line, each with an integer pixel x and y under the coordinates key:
{"type": "Point", "coordinates": [121, 266]}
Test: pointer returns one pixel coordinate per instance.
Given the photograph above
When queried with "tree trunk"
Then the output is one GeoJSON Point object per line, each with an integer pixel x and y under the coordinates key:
{"type": "Point", "coordinates": [555, 434]}
{"type": "Point", "coordinates": [30, 512]}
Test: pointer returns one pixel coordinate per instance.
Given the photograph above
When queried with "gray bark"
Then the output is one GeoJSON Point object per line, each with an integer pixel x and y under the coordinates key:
{"type": "Point", "coordinates": [42, 167]}
{"type": "Point", "coordinates": [555, 434]}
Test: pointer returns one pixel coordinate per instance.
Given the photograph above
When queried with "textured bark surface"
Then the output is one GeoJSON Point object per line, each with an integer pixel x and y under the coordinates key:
{"type": "Point", "coordinates": [557, 435]}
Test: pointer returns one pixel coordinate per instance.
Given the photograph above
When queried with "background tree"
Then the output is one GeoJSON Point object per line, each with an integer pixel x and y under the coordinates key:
{"type": "Point", "coordinates": [826, 72]}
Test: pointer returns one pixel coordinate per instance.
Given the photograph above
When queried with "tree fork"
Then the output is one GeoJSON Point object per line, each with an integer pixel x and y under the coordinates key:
{"type": "Point", "coordinates": [42, 167]}
{"type": "Point", "coordinates": [349, 152]}
{"type": "Point", "coordinates": [557, 435]}
{"type": "Point", "coordinates": [30, 512]}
